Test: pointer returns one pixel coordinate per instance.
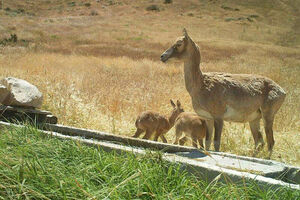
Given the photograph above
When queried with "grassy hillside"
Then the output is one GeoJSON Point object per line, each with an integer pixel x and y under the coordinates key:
{"type": "Point", "coordinates": [35, 166]}
{"type": "Point", "coordinates": [97, 63]}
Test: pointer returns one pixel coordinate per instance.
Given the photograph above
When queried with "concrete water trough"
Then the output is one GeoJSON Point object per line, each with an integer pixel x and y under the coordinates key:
{"type": "Point", "coordinates": [210, 165]}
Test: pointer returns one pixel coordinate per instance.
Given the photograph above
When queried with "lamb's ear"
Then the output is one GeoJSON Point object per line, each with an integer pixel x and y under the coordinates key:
{"type": "Point", "coordinates": [172, 103]}
{"type": "Point", "coordinates": [185, 34]}
{"type": "Point", "coordinates": [178, 104]}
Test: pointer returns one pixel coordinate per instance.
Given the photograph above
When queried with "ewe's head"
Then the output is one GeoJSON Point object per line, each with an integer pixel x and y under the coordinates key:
{"type": "Point", "coordinates": [178, 49]}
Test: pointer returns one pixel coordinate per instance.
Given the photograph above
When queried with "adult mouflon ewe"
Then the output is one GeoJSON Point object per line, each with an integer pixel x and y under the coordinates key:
{"type": "Point", "coordinates": [231, 97]}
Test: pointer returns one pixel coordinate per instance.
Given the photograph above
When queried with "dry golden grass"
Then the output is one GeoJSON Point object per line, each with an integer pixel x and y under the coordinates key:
{"type": "Point", "coordinates": [101, 71]}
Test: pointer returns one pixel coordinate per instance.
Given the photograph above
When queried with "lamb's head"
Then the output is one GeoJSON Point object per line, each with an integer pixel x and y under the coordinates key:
{"type": "Point", "coordinates": [177, 109]}
{"type": "Point", "coordinates": [178, 49]}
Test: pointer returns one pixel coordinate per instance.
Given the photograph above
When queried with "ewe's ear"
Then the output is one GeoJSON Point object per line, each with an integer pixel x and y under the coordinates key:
{"type": "Point", "coordinates": [185, 34]}
{"type": "Point", "coordinates": [178, 104]}
{"type": "Point", "coordinates": [172, 103]}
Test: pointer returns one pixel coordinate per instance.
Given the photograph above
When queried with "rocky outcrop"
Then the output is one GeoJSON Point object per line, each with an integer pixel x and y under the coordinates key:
{"type": "Point", "coordinates": [18, 92]}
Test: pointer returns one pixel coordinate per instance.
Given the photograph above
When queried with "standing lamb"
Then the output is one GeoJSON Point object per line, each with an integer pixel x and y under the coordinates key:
{"type": "Point", "coordinates": [193, 126]}
{"type": "Point", "coordinates": [153, 122]}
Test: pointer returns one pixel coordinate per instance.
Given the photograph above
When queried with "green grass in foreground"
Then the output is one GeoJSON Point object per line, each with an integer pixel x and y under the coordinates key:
{"type": "Point", "coordinates": [35, 166]}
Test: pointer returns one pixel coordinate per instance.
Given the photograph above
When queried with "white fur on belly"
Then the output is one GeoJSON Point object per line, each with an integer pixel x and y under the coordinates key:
{"type": "Point", "coordinates": [204, 114]}
{"type": "Point", "coordinates": [236, 116]}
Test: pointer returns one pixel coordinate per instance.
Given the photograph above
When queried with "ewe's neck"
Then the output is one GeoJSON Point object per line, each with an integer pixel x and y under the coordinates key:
{"type": "Point", "coordinates": [192, 72]}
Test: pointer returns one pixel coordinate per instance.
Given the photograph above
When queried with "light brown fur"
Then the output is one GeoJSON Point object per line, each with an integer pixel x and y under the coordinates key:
{"type": "Point", "coordinates": [230, 97]}
{"type": "Point", "coordinates": [193, 126]}
{"type": "Point", "coordinates": [153, 122]}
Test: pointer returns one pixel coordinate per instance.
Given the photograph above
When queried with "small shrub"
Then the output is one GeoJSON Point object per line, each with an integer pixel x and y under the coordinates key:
{"type": "Point", "coordinates": [73, 3]}
{"type": "Point", "coordinates": [250, 19]}
{"type": "Point", "coordinates": [111, 2]}
{"type": "Point", "coordinates": [20, 10]}
{"type": "Point", "coordinates": [94, 13]}
{"type": "Point", "coordinates": [168, 1]}
{"type": "Point", "coordinates": [253, 16]}
{"type": "Point", "coordinates": [54, 37]}
{"type": "Point", "coordinates": [87, 4]}
{"type": "Point", "coordinates": [230, 19]}
{"type": "Point", "coordinates": [13, 39]}
{"type": "Point", "coordinates": [152, 8]}
{"type": "Point", "coordinates": [229, 8]}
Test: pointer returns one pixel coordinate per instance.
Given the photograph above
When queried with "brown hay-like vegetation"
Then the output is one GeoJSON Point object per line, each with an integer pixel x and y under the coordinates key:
{"type": "Point", "coordinates": [101, 71]}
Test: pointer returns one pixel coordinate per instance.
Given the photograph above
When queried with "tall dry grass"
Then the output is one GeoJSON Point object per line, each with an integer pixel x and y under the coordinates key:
{"type": "Point", "coordinates": [108, 93]}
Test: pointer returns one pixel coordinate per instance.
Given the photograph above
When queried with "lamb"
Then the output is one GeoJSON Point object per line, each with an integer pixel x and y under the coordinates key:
{"type": "Point", "coordinates": [193, 126]}
{"type": "Point", "coordinates": [153, 122]}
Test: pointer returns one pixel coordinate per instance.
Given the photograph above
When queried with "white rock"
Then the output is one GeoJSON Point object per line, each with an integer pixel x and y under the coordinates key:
{"type": "Point", "coordinates": [20, 93]}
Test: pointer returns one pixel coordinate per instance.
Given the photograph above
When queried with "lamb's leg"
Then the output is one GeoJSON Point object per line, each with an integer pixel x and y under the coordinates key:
{"type": "Point", "coordinates": [159, 133]}
{"type": "Point", "coordinates": [218, 131]}
{"type": "Point", "coordinates": [183, 140]}
{"type": "Point", "coordinates": [178, 135]}
{"type": "Point", "coordinates": [202, 133]}
{"type": "Point", "coordinates": [194, 140]}
{"type": "Point", "coordinates": [148, 134]}
{"type": "Point", "coordinates": [200, 140]}
{"type": "Point", "coordinates": [162, 137]}
{"type": "Point", "coordinates": [138, 132]}
{"type": "Point", "coordinates": [209, 132]}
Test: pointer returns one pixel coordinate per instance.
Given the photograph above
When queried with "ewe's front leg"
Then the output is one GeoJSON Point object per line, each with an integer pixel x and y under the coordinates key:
{"type": "Point", "coordinates": [218, 131]}
{"type": "Point", "coordinates": [209, 133]}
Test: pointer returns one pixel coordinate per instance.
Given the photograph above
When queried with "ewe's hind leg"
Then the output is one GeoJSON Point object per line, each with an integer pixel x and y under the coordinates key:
{"type": "Point", "coordinates": [269, 109]}
{"type": "Point", "coordinates": [138, 132]}
{"type": "Point", "coordinates": [268, 123]}
{"type": "Point", "coordinates": [218, 130]}
{"type": "Point", "coordinates": [257, 136]}
{"type": "Point", "coordinates": [209, 133]}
